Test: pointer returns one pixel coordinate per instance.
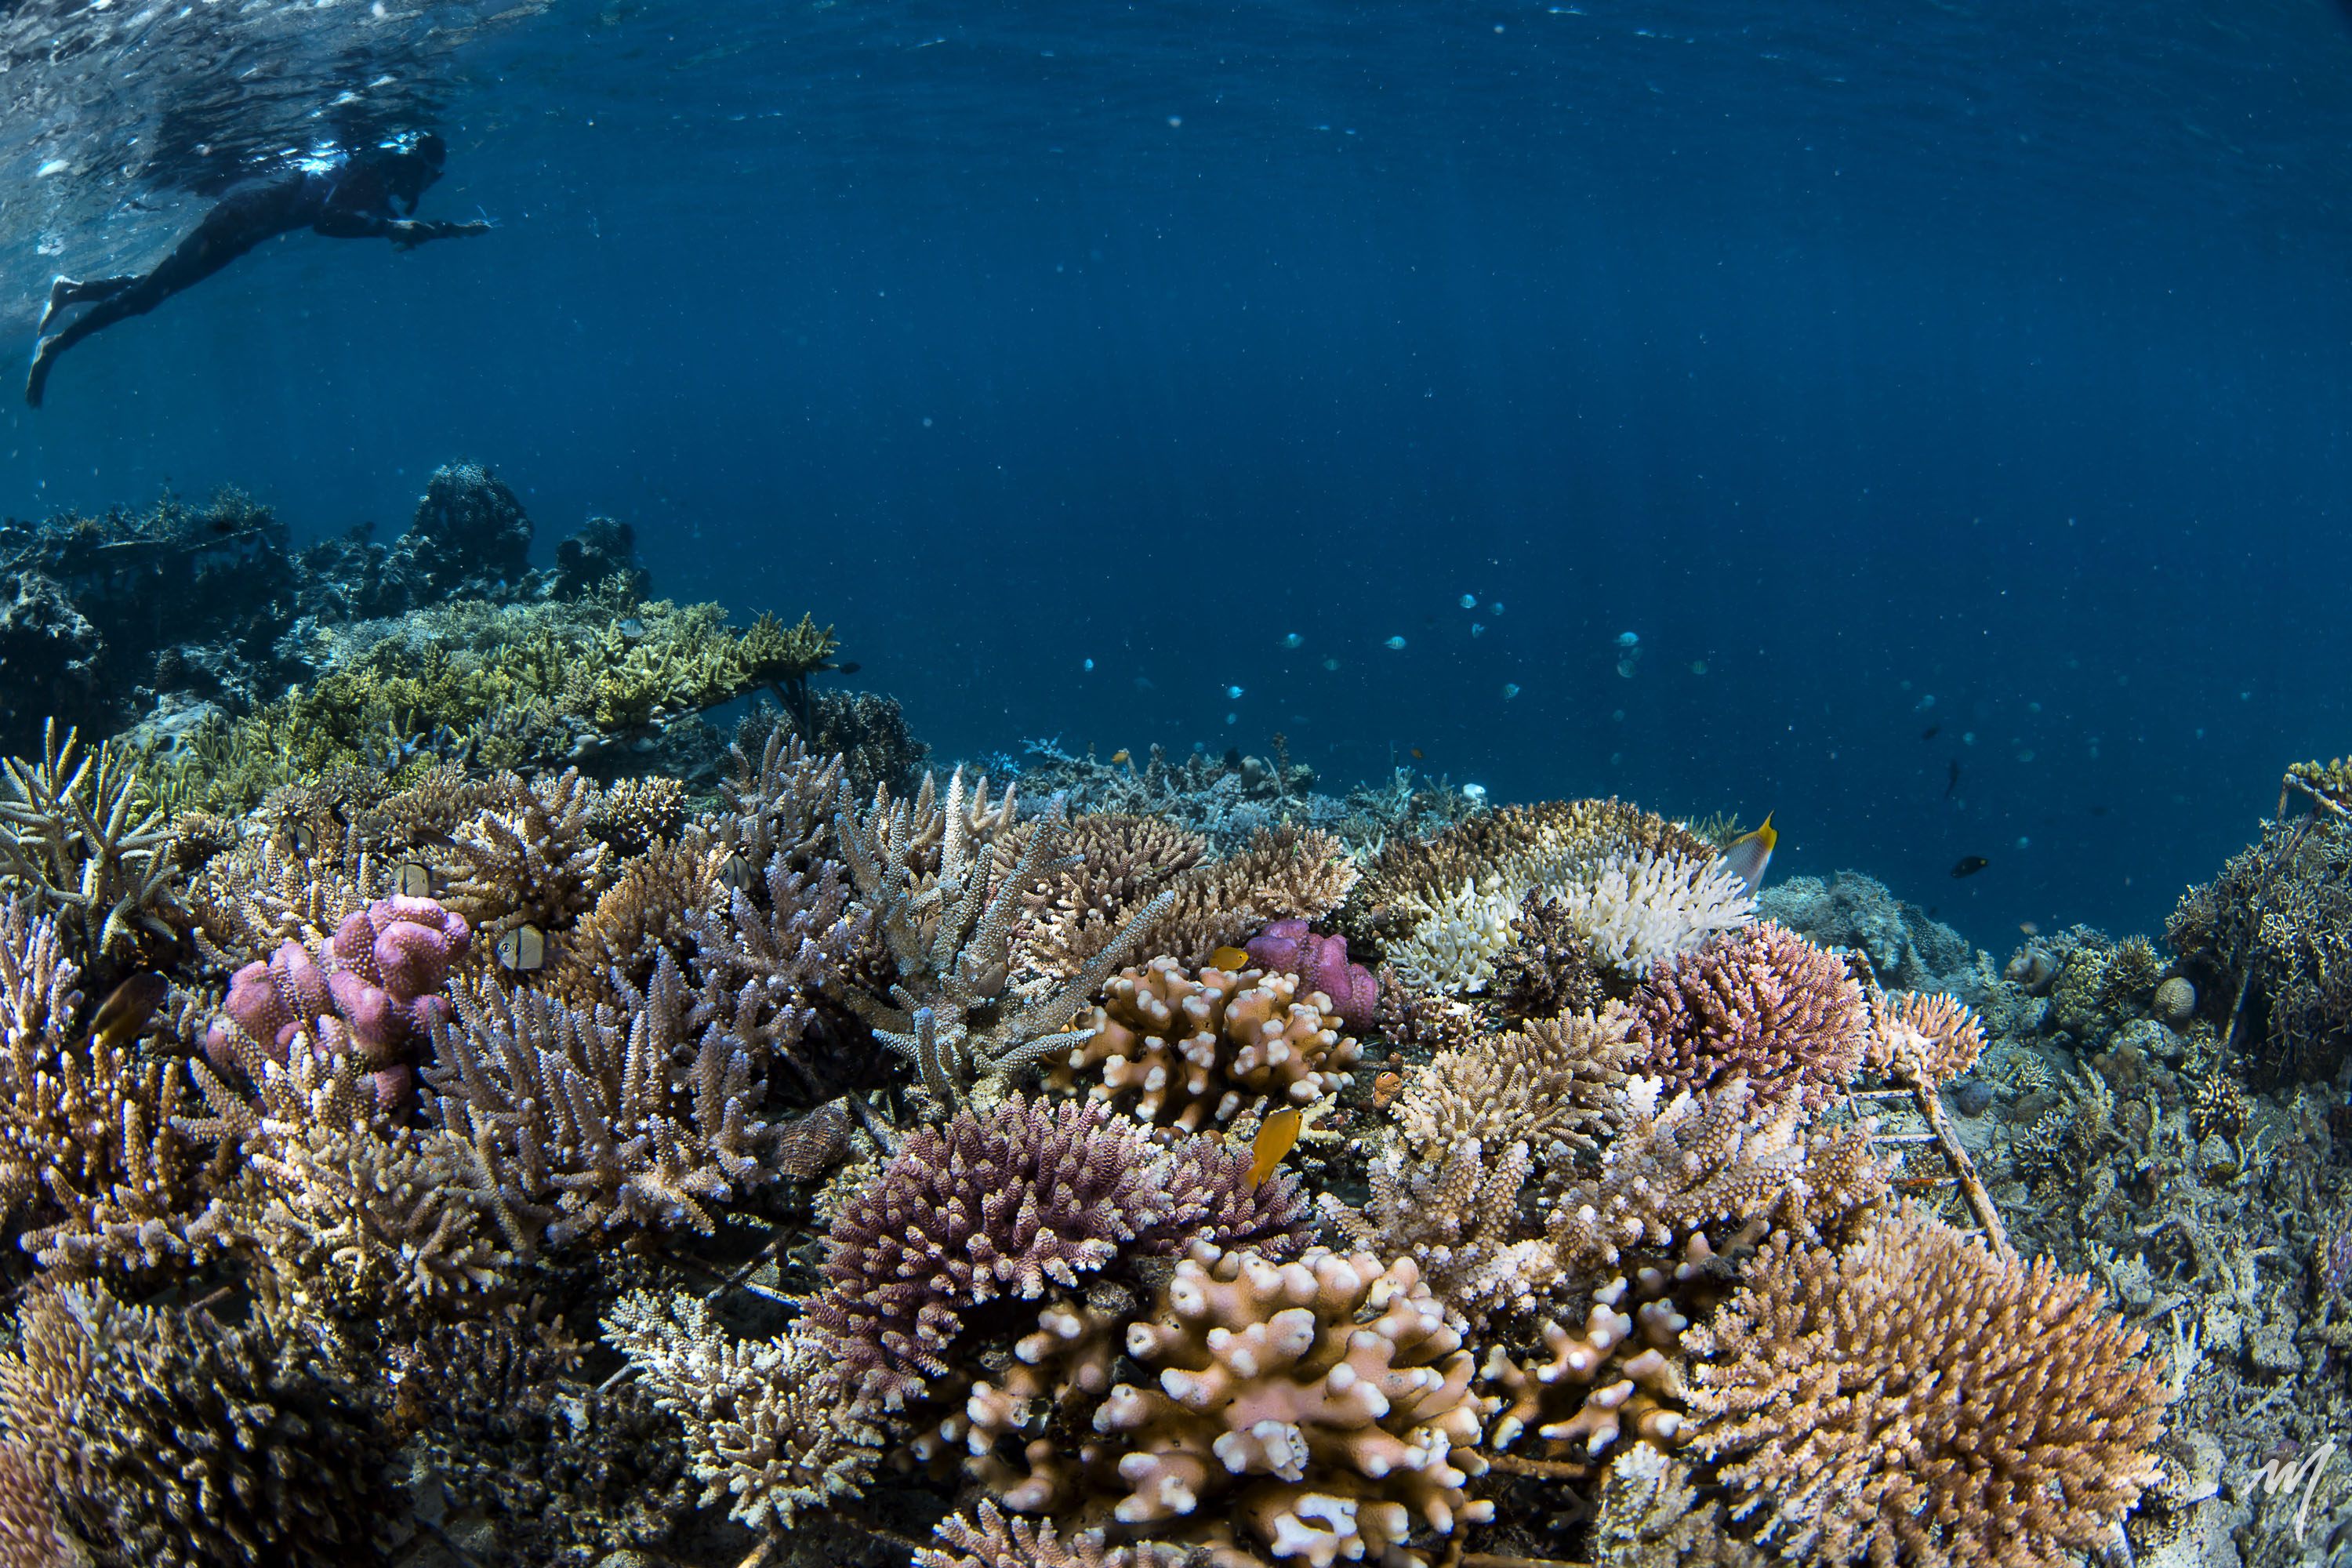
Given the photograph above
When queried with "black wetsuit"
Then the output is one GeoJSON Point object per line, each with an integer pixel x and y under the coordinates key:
{"type": "Point", "coordinates": [359, 195]}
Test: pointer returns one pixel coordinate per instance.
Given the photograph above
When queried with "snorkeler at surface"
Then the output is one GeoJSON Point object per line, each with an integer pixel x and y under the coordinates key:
{"type": "Point", "coordinates": [353, 195]}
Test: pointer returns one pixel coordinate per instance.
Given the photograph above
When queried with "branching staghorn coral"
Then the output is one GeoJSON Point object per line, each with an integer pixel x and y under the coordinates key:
{"type": "Point", "coordinates": [1550, 1083]}
{"type": "Point", "coordinates": [924, 869]}
{"type": "Point", "coordinates": [1176, 1049]}
{"type": "Point", "coordinates": [182, 1443]}
{"type": "Point", "coordinates": [1330, 1393]}
{"type": "Point", "coordinates": [646, 912]}
{"type": "Point", "coordinates": [764, 1423]}
{"type": "Point", "coordinates": [1005, 1204]}
{"type": "Point", "coordinates": [593, 1120]}
{"type": "Point", "coordinates": [988, 1540]}
{"type": "Point", "coordinates": [1115, 865]}
{"type": "Point", "coordinates": [76, 840]}
{"type": "Point", "coordinates": [341, 1211]}
{"type": "Point", "coordinates": [1979, 1410]}
{"type": "Point", "coordinates": [532, 860]}
{"type": "Point", "coordinates": [1763, 1004]}
{"type": "Point", "coordinates": [2271, 937]}
{"type": "Point", "coordinates": [87, 1149]}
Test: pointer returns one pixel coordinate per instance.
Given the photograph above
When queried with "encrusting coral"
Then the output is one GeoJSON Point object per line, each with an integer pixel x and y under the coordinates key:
{"type": "Point", "coordinates": [1914, 1395]}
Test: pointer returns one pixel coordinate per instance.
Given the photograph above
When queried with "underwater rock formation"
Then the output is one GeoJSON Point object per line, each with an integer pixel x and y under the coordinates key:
{"type": "Point", "coordinates": [1907, 951]}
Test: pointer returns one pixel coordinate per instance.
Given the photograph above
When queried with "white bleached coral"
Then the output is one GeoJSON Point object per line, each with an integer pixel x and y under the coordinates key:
{"type": "Point", "coordinates": [1456, 933]}
{"type": "Point", "coordinates": [1637, 908]}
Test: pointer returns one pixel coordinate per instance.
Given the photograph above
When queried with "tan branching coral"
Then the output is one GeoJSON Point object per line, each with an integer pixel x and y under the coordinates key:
{"type": "Point", "coordinates": [76, 838]}
{"type": "Point", "coordinates": [631, 816]}
{"type": "Point", "coordinates": [30, 1533]}
{"type": "Point", "coordinates": [1976, 1410]}
{"type": "Point", "coordinates": [1459, 1214]}
{"type": "Point", "coordinates": [590, 1120]}
{"type": "Point", "coordinates": [988, 1540]}
{"type": "Point", "coordinates": [342, 1212]}
{"type": "Point", "coordinates": [924, 869]}
{"type": "Point", "coordinates": [643, 913]}
{"type": "Point", "coordinates": [1702, 1161]}
{"type": "Point", "coordinates": [533, 858]}
{"type": "Point", "coordinates": [251, 900]}
{"type": "Point", "coordinates": [1550, 1083]}
{"type": "Point", "coordinates": [1190, 1051]}
{"type": "Point", "coordinates": [1922, 1037]}
{"type": "Point", "coordinates": [1283, 873]}
{"type": "Point", "coordinates": [1322, 1405]}
{"type": "Point", "coordinates": [1120, 863]}
{"type": "Point", "coordinates": [764, 1424]}
{"type": "Point", "coordinates": [1762, 1003]}
{"type": "Point", "coordinates": [88, 1149]}
{"type": "Point", "coordinates": [182, 1443]}
{"type": "Point", "coordinates": [1650, 1516]}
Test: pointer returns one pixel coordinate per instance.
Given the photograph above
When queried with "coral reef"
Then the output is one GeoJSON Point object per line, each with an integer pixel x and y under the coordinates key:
{"type": "Point", "coordinates": [1764, 1004]}
{"type": "Point", "coordinates": [2269, 943]}
{"type": "Point", "coordinates": [1190, 1051]}
{"type": "Point", "coordinates": [1005, 1204]}
{"type": "Point", "coordinates": [1321, 1401]}
{"type": "Point", "coordinates": [1979, 1409]}
{"type": "Point", "coordinates": [1907, 949]}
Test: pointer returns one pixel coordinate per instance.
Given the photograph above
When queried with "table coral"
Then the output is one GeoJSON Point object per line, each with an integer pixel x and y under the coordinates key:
{"type": "Point", "coordinates": [1319, 1403]}
{"type": "Point", "coordinates": [1189, 1051]}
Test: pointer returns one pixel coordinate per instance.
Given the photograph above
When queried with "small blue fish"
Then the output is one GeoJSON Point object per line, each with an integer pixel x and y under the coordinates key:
{"type": "Point", "coordinates": [1469, 601]}
{"type": "Point", "coordinates": [1330, 664]}
{"type": "Point", "coordinates": [1509, 690]}
{"type": "Point", "coordinates": [1090, 664]}
{"type": "Point", "coordinates": [1293, 640]}
{"type": "Point", "coordinates": [1496, 608]}
{"type": "Point", "coordinates": [1627, 639]}
{"type": "Point", "coordinates": [1393, 643]}
{"type": "Point", "coordinates": [1233, 693]}
{"type": "Point", "coordinates": [1476, 630]}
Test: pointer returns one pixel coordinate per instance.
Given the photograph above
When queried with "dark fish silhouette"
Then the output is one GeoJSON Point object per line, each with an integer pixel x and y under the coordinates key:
{"type": "Point", "coordinates": [1952, 779]}
{"type": "Point", "coordinates": [124, 1014]}
{"type": "Point", "coordinates": [1931, 732]}
{"type": "Point", "coordinates": [1970, 864]}
{"type": "Point", "coordinates": [2098, 811]}
{"type": "Point", "coordinates": [849, 669]}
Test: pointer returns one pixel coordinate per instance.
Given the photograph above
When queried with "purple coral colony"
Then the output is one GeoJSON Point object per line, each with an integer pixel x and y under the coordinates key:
{"type": "Point", "coordinates": [464, 1107]}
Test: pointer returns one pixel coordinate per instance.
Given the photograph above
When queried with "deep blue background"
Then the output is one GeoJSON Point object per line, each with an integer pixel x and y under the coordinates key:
{"type": "Point", "coordinates": [1862, 353]}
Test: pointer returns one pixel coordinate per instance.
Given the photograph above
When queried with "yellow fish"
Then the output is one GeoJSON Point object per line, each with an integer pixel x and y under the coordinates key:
{"type": "Point", "coordinates": [1750, 853]}
{"type": "Point", "coordinates": [1274, 1137]}
{"type": "Point", "coordinates": [1120, 756]}
{"type": "Point", "coordinates": [1233, 960]}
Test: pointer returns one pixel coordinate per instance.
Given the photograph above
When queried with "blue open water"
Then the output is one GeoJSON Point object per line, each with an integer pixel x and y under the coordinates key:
{"type": "Point", "coordinates": [1848, 353]}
